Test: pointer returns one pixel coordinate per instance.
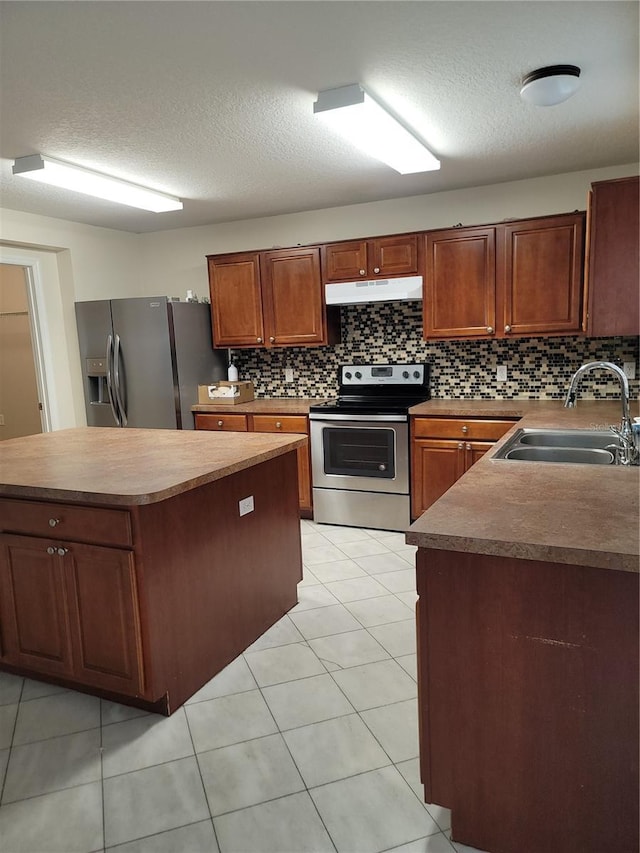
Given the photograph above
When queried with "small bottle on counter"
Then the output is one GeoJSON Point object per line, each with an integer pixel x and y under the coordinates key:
{"type": "Point", "coordinates": [232, 373]}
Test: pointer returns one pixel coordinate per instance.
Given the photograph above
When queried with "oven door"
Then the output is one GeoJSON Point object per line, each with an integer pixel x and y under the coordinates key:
{"type": "Point", "coordinates": [361, 453]}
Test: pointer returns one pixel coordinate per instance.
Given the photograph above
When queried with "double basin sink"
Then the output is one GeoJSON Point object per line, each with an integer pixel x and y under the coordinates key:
{"type": "Point", "coordinates": [591, 447]}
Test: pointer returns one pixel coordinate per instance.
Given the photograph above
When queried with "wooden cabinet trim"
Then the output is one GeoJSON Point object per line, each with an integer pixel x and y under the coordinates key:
{"type": "Point", "coordinates": [67, 521]}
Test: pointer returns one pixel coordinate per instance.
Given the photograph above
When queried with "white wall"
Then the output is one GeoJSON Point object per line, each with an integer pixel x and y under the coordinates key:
{"type": "Point", "coordinates": [175, 260]}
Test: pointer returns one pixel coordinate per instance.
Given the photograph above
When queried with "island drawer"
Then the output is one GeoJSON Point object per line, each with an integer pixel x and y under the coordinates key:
{"type": "Point", "coordinates": [463, 428]}
{"type": "Point", "coordinates": [280, 423]}
{"type": "Point", "coordinates": [237, 423]}
{"type": "Point", "coordinates": [65, 521]}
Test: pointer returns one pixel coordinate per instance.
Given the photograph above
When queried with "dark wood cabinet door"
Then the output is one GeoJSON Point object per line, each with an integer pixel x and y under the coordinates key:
{"type": "Point", "coordinates": [540, 274]}
{"type": "Point", "coordinates": [436, 465]}
{"type": "Point", "coordinates": [460, 283]}
{"type": "Point", "coordinates": [35, 619]}
{"type": "Point", "coordinates": [236, 300]}
{"type": "Point", "coordinates": [292, 297]}
{"type": "Point", "coordinates": [612, 259]}
{"type": "Point", "coordinates": [305, 494]}
{"type": "Point", "coordinates": [344, 261]}
{"type": "Point", "coordinates": [104, 613]}
{"type": "Point", "coordinates": [394, 255]}
{"type": "Point", "coordinates": [475, 450]}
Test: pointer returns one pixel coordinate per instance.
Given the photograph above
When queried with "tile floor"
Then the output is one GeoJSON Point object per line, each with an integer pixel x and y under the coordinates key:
{"type": "Point", "coordinates": [306, 742]}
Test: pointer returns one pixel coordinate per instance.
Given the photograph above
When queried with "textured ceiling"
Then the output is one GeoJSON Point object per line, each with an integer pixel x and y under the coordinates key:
{"type": "Point", "coordinates": [212, 101]}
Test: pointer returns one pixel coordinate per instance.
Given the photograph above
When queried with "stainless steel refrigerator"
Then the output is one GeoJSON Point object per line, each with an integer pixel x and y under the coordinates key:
{"type": "Point", "coordinates": [143, 359]}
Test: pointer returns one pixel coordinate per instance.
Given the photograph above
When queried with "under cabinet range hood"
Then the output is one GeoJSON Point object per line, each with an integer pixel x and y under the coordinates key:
{"type": "Point", "coordinates": [376, 290]}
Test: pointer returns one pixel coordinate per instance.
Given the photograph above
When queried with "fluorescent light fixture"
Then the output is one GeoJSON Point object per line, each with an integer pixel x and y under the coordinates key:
{"type": "Point", "coordinates": [356, 116]}
{"type": "Point", "coordinates": [40, 168]}
{"type": "Point", "coordinates": [552, 85]}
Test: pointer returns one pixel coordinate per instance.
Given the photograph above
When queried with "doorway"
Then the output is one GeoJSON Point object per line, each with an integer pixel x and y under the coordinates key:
{"type": "Point", "coordinates": [20, 403]}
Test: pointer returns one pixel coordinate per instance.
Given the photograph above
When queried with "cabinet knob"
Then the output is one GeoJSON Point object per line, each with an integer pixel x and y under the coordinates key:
{"type": "Point", "coordinates": [382, 467]}
{"type": "Point", "coordinates": [220, 423]}
{"type": "Point", "coordinates": [272, 339]}
{"type": "Point", "coordinates": [363, 272]}
{"type": "Point", "coordinates": [465, 429]}
{"type": "Point", "coordinates": [376, 269]}
{"type": "Point", "coordinates": [468, 447]}
{"type": "Point", "coordinates": [54, 522]}
{"type": "Point", "coordinates": [51, 550]}
{"type": "Point", "coordinates": [460, 445]}
{"type": "Point", "coordinates": [507, 329]}
{"type": "Point", "coordinates": [278, 424]}
{"type": "Point", "coordinates": [62, 551]}
{"type": "Point", "coordinates": [489, 330]}
{"type": "Point", "coordinates": [259, 340]}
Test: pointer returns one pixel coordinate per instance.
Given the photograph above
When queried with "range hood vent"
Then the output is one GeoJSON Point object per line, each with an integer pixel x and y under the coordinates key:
{"type": "Point", "coordinates": [378, 290]}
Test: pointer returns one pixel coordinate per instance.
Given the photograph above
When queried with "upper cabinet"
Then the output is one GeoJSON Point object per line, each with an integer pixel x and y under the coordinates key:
{"type": "Point", "coordinates": [375, 258]}
{"type": "Point", "coordinates": [613, 304]}
{"type": "Point", "coordinates": [269, 299]}
{"type": "Point", "coordinates": [505, 280]}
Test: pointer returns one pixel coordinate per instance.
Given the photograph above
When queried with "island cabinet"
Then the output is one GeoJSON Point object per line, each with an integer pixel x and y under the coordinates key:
{"type": "Point", "coordinates": [442, 449]}
{"type": "Point", "coordinates": [273, 423]}
{"type": "Point", "coordinates": [506, 280]}
{"type": "Point", "coordinates": [270, 299]}
{"type": "Point", "coordinates": [379, 257]}
{"type": "Point", "coordinates": [528, 701]}
{"type": "Point", "coordinates": [613, 303]}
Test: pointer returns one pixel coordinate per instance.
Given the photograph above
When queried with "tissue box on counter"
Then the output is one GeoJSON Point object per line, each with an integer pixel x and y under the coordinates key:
{"type": "Point", "coordinates": [226, 393]}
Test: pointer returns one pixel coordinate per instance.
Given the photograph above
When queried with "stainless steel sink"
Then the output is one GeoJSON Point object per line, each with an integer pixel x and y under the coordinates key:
{"type": "Point", "coordinates": [589, 447]}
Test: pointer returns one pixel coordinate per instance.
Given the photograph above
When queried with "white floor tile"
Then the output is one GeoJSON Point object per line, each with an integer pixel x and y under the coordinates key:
{"type": "Point", "coordinates": [355, 589]}
{"type": "Point", "coordinates": [229, 719]}
{"type": "Point", "coordinates": [464, 848]}
{"type": "Point", "coordinates": [282, 633]}
{"type": "Point", "coordinates": [287, 825]}
{"type": "Point", "coordinates": [411, 772]}
{"type": "Point", "coordinates": [324, 621]}
{"type": "Point", "coordinates": [398, 638]}
{"type": "Point", "coordinates": [8, 714]}
{"type": "Point", "coordinates": [194, 838]}
{"type": "Point", "coordinates": [10, 688]}
{"type": "Point", "coordinates": [311, 596]}
{"type": "Point", "coordinates": [145, 741]}
{"type": "Point", "coordinates": [431, 844]}
{"type": "Point", "coordinates": [309, 700]}
{"type": "Point", "coordinates": [403, 580]}
{"type": "Point", "coordinates": [234, 678]}
{"type": "Point", "coordinates": [375, 684]}
{"type": "Point", "coordinates": [248, 773]}
{"type": "Point", "coordinates": [408, 598]}
{"type": "Point", "coordinates": [4, 760]}
{"type": "Point", "coordinates": [341, 535]}
{"type": "Point", "coordinates": [372, 812]}
{"type": "Point", "coordinates": [379, 611]}
{"type": "Point", "coordinates": [37, 689]}
{"type": "Point", "coordinates": [363, 547]}
{"type": "Point", "coordinates": [351, 648]}
{"type": "Point", "coordinates": [52, 716]}
{"type": "Point", "coordinates": [380, 563]}
{"type": "Point", "coordinates": [284, 663]}
{"type": "Point", "coordinates": [395, 728]}
{"type": "Point", "coordinates": [114, 712]}
{"type": "Point", "coordinates": [334, 749]}
{"type": "Point", "coordinates": [322, 554]}
{"type": "Point", "coordinates": [152, 800]}
{"type": "Point", "coordinates": [312, 539]}
{"type": "Point", "coordinates": [51, 765]}
{"type": "Point", "coordinates": [410, 664]}
{"type": "Point", "coordinates": [338, 570]}
{"type": "Point", "coordinates": [62, 822]}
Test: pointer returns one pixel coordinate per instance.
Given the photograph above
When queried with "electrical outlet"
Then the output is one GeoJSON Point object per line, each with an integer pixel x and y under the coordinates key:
{"type": "Point", "coordinates": [288, 374]}
{"type": "Point", "coordinates": [501, 373]}
{"type": "Point", "coordinates": [629, 368]}
{"type": "Point", "coordinates": [246, 505]}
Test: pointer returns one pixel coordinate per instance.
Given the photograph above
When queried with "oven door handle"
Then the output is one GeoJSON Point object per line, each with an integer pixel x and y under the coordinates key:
{"type": "Point", "coordinates": [378, 419]}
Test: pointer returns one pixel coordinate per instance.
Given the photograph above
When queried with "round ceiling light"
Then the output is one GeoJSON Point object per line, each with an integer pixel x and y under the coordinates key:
{"type": "Point", "coordinates": [551, 85]}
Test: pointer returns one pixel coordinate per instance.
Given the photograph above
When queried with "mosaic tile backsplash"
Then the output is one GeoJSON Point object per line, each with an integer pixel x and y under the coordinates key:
{"type": "Point", "coordinates": [537, 368]}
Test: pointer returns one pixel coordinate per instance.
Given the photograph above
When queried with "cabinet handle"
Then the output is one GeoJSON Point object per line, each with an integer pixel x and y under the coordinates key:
{"type": "Point", "coordinates": [259, 340]}
{"type": "Point", "coordinates": [54, 522]}
{"type": "Point", "coordinates": [62, 551]}
{"type": "Point", "coordinates": [272, 339]}
{"type": "Point", "coordinates": [363, 272]}
{"type": "Point", "coordinates": [51, 550]}
{"type": "Point", "coordinates": [507, 329]}
{"type": "Point", "coordinates": [278, 424]}
{"type": "Point", "coordinates": [376, 269]}
{"type": "Point", "coordinates": [489, 330]}
{"type": "Point", "coordinates": [465, 429]}
{"type": "Point", "coordinates": [220, 423]}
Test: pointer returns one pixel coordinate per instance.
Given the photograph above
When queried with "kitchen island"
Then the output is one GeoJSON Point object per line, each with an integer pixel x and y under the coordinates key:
{"type": "Point", "coordinates": [136, 564]}
{"type": "Point", "coordinates": [527, 575]}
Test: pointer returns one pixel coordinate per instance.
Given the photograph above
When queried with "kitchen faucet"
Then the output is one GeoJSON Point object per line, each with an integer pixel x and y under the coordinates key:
{"type": "Point", "coordinates": [628, 453]}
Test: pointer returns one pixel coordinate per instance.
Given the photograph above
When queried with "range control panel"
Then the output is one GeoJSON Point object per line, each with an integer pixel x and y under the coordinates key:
{"type": "Point", "coordinates": [382, 374]}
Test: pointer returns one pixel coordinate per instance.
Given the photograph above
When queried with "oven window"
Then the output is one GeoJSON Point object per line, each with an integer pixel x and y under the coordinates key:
{"type": "Point", "coordinates": [356, 452]}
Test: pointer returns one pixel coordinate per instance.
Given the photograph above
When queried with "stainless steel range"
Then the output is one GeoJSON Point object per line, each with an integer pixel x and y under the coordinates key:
{"type": "Point", "coordinates": [360, 446]}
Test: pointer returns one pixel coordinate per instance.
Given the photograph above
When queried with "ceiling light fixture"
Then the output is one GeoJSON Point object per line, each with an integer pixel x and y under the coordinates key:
{"type": "Point", "coordinates": [554, 84]}
{"type": "Point", "coordinates": [37, 167]}
{"type": "Point", "coordinates": [356, 116]}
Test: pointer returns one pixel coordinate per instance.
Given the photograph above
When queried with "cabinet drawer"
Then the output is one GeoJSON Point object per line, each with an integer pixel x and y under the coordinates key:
{"type": "Point", "coordinates": [237, 423]}
{"type": "Point", "coordinates": [280, 423]}
{"type": "Point", "coordinates": [64, 521]}
{"type": "Point", "coordinates": [469, 428]}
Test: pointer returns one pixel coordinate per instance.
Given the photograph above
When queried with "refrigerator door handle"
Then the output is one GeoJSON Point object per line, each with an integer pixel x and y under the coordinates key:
{"type": "Point", "coordinates": [116, 382]}
{"type": "Point", "coordinates": [112, 401]}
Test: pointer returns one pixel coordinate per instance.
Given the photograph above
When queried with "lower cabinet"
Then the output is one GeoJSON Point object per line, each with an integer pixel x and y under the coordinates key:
{"type": "Point", "coordinates": [287, 424]}
{"type": "Point", "coordinates": [443, 449]}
